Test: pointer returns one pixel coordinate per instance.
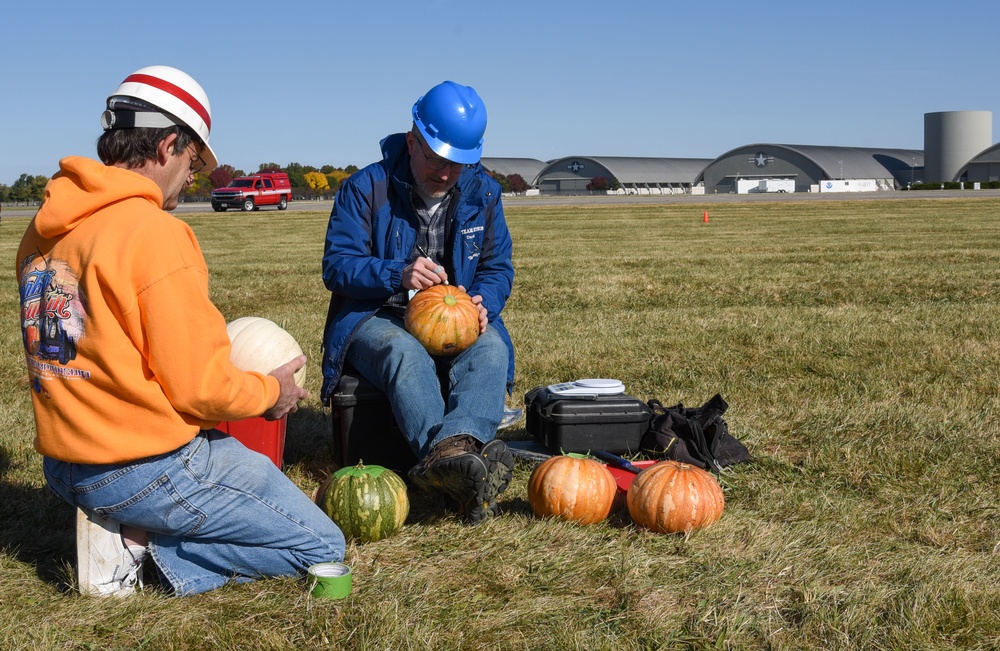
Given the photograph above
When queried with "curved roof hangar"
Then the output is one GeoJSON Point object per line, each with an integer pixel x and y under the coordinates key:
{"type": "Point", "coordinates": [571, 174]}
{"type": "Point", "coordinates": [811, 164]}
{"type": "Point", "coordinates": [984, 166]}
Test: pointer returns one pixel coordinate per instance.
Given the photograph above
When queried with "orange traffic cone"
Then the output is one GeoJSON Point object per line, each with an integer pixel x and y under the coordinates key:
{"type": "Point", "coordinates": [705, 218]}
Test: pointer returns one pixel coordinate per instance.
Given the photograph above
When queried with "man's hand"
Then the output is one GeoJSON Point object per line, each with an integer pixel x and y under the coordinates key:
{"type": "Point", "coordinates": [423, 273]}
{"type": "Point", "coordinates": [484, 315]}
{"type": "Point", "coordinates": [289, 392]}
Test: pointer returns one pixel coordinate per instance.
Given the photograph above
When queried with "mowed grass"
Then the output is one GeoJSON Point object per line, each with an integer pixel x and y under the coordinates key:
{"type": "Point", "coordinates": [856, 342]}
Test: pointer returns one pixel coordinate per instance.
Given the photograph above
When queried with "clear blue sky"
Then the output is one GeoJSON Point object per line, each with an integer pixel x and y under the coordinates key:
{"type": "Point", "coordinates": [322, 82]}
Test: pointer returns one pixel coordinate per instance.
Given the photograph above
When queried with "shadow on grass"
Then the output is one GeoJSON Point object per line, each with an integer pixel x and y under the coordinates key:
{"type": "Point", "coordinates": [518, 505]}
{"type": "Point", "coordinates": [309, 440]}
{"type": "Point", "coordinates": [39, 529]}
{"type": "Point", "coordinates": [619, 517]}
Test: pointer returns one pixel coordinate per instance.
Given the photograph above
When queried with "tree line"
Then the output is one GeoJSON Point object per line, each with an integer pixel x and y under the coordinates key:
{"type": "Point", "coordinates": [307, 181]}
{"type": "Point", "coordinates": [27, 189]}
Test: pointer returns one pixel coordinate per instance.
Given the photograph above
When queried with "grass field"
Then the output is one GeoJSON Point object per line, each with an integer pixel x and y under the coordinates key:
{"type": "Point", "coordinates": [856, 342]}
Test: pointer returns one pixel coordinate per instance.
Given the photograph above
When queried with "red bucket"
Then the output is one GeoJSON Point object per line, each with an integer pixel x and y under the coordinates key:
{"type": "Point", "coordinates": [259, 434]}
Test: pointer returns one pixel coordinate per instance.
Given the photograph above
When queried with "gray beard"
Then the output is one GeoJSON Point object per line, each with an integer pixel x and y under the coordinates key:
{"type": "Point", "coordinates": [426, 194]}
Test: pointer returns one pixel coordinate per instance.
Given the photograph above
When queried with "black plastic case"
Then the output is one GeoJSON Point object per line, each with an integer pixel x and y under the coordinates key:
{"type": "Point", "coordinates": [561, 423]}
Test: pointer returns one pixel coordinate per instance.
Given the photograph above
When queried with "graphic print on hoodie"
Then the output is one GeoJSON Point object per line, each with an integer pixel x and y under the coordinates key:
{"type": "Point", "coordinates": [53, 314]}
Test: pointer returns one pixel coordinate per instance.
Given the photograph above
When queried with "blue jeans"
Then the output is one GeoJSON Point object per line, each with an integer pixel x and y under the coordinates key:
{"type": "Point", "coordinates": [473, 382]}
{"type": "Point", "coordinates": [215, 511]}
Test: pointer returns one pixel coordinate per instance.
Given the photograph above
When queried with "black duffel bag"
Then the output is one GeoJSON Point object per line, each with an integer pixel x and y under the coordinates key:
{"type": "Point", "coordinates": [695, 435]}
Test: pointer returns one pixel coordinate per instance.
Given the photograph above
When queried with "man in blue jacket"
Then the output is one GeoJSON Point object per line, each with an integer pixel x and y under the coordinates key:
{"type": "Point", "coordinates": [426, 214]}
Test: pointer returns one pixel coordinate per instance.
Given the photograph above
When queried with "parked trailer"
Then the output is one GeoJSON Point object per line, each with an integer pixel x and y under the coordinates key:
{"type": "Point", "coordinates": [776, 185]}
{"type": "Point", "coordinates": [752, 186]}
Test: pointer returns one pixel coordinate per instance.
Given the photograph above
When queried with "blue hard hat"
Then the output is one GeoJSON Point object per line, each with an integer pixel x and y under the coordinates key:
{"type": "Point", "coordinates": [452, 119]}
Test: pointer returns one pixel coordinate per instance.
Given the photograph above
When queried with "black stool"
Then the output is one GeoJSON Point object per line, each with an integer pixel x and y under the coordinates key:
{"type": "Point", "coordinates": [364, 428]}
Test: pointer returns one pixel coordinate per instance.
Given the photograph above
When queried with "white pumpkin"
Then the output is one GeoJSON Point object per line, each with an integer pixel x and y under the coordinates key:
{"type": "Point", "coordinates": [261, 345]}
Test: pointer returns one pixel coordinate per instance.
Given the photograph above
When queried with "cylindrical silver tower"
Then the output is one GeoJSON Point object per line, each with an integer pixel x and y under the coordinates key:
{"type": "Point", "coordinates": [951, 139]}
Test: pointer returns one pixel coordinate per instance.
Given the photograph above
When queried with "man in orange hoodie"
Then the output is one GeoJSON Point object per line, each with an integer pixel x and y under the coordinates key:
{"type": "Point", "coordinates": [128, 361]}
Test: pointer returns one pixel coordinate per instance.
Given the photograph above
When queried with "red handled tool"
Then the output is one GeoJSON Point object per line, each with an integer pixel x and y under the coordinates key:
{"type": "Point", "coordinates": [616, 461]}
{"type": "Point", "coordinates": [623, 470]}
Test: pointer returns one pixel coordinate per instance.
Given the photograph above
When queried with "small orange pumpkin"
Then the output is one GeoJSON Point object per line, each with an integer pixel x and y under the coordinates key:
{"type": "Point", "coordinates": [675, 497]}
{"type": "Point", "coordinates": [572, 487]}
{"type": "Point", "coordinates": [443, 319]}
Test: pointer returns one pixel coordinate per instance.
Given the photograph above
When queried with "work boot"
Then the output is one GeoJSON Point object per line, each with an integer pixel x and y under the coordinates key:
{"type": "Point", "coordinates": [454, 468]}
{"type": "Point", "coordinates": [500, 470]}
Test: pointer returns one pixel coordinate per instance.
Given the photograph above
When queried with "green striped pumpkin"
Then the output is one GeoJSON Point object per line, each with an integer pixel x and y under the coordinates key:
{"type": "Point", "coordinates": [368, 503]}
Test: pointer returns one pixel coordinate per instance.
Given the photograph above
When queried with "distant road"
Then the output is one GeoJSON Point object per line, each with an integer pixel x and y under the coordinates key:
{"type": "Point", "coordinates": [590, 200]}
{"type": "Point", "coordinates": [682, 199]}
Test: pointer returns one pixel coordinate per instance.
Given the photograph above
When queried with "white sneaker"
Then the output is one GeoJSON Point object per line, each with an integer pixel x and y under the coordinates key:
{"type": "Point", "coordinates": [510, 416]}
{"type": "Point", "coordinates": [105, 565]}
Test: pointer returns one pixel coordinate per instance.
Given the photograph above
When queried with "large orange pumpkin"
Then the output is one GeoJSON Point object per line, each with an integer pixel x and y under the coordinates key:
{"type": "Point", "coordinates": [675, 497]}
{"type": "Point", "coordinates": [443, 319]}
{"type": "Point", "coordinates": [572, 487]}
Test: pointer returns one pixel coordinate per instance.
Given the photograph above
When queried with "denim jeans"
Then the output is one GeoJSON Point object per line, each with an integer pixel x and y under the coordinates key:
{"type": "Point", "coordinates": [215, 511]}
{"type": "Point", "coordinates": [433, 398]}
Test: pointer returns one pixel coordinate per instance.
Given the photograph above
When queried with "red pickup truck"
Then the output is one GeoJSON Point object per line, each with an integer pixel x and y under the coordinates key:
{"type": "Point", "coordinates": [251, 192]}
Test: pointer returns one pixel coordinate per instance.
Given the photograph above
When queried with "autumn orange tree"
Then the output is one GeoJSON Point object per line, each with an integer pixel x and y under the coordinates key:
{"type": "Point", "coordinates": [335, 176]}
{"type": "Point", "coordinates": [317, 181]}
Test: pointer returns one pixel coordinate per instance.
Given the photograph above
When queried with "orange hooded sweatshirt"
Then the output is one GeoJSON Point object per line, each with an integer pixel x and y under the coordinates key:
{"type": "Point", "coordinates": [127, 356]}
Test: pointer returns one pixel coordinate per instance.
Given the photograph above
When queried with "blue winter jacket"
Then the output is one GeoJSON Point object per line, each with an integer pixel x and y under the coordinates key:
{"type": "Point", "coordinates": [371, 235]}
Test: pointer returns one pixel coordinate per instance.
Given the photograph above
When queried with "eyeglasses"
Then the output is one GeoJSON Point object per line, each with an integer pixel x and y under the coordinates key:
{"type": "Point", "coordinates": [436, 163]}
{"type": "Point", "coordinates": [197, 162]}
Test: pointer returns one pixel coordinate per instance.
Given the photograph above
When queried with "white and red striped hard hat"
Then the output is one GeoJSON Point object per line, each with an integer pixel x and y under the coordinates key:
{"type": "Point", "coordinates": [178, 97]}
